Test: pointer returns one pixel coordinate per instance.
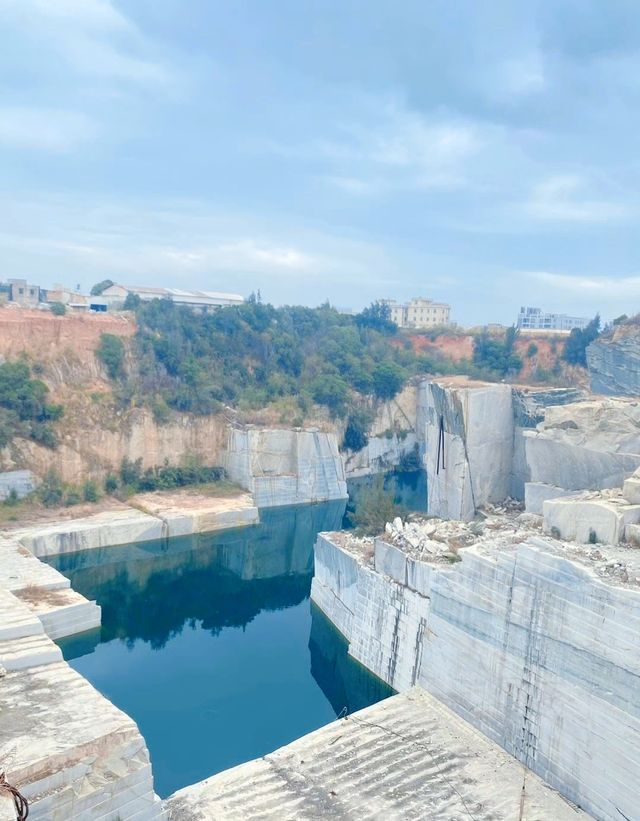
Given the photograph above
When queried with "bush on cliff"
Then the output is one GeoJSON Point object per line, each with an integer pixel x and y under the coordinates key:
{"type": "Point", "coordinates": [252, 355]}
{"type": "Point", "coordinates": [24, 410]}
{"type": "Point", "coordinates": [375, 507]}
{"type": "Point", "coordinates": [110, 352]}
{"type": "Point", "coordinates": [575, 349]}
{"type": "Point", "coordinates": [497, 353]}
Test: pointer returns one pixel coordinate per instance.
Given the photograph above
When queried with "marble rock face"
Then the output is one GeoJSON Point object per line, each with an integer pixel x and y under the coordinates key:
{"type": "Point", "coordinates": [286, 467]}
{"type": "Point", "coordinates": [589, 518]}
{"type": "Point", "coordinates": [587, 445]}
{"type": "Point", "coordinates": [530, 647]}
{"type": "Point", "coordinates": [614, 366]}
{"type": "Point", "coordinates": [536, 493]}
{"type": "Point", "coordinates": [478, 430]}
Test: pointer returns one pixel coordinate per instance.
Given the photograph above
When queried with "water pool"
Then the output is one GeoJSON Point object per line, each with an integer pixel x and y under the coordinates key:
{"type": "Point", "coordinates": [211, 645]}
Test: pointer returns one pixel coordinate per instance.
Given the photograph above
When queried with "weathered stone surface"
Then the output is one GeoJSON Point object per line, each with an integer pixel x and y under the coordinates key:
{"type": "Point", "coordinates": [70, 751]}
{"type": "Point", "coordinates": [586, 445]}
{"type": "Point", "coordinates": [111, 527]}
{"type": "Point", "coordinates": [478, 446]}
{"type": "Point", "coordinates": [587, 518]}
{"type": "Point", "coordinates": [535, 493]}
{"type": "Point", "coordinates": [22, 482]}
{"type": "Point", "coordinates": [614, 365]}
{"type": "Point", "coordinates": [392, 435]}
{"type": "Point", "coordinates": [286, 467]}
{"type": "Point", "coordinates": [408, 757]}
{"type": "Point", "coordinates": [631, 490]}
{"type": "Point", "coordinates": [529, 646]}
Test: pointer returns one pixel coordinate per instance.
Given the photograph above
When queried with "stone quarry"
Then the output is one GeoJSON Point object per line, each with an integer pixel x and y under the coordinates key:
{"type": "Point", "coordinates": [507, 618]}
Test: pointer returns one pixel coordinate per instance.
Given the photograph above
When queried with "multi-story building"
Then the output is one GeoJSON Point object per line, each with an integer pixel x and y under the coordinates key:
{"type": "Point", "coordinates": [537, 319]}
{"type": "Point", "coordinates": [205, 301]}
{"type": "Point", "coordinates": [24, 293]}
{"type": "Point", "coordinates": [419, 313]}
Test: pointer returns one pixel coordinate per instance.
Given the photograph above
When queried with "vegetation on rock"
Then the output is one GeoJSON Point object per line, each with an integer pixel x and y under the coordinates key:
{"type": "Point", "coordinates": [497, 353]}
{"type": "Point", "coordinates": [376, 506]}
{"type": "Point", "coordinates": [24, 410]}
{"type": "Point", "coordinates": [110, 352]}
{"type": "Point", "coordinates": [575, 350]}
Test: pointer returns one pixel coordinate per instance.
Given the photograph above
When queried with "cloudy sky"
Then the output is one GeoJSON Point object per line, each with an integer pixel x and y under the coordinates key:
{"type": "Point", "coordinates": [483, 153]}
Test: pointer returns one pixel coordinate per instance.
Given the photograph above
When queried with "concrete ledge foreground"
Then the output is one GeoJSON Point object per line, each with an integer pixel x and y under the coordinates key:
{"type": "Point", "coordinates": [408, 757]}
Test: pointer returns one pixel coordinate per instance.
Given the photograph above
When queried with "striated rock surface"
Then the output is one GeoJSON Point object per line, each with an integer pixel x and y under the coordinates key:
{"type": "Point", "coordinates": [393, 434]}
{"type": "Point", "coordinates": [477, 452]}
{"type": "Point", "coordinates": [285, 467]}
{"type": "Point", "coordinates": [408, 757]}
{"type": "Point", "coordinates": [586, 445]}
{"type": "Point", "coordinates": [614, 365]}
{"type": "Point", "coordinates": [532, 641]}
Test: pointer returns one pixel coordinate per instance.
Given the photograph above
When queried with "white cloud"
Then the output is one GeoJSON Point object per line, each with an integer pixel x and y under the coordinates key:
{"type": "Point", "coordinates": [588, 287]}
{"type": "Point", "coordinates": [43, 128]}
{"type": "Point", "coordinates": [568, 198]}
{"type": "Point", "coordinates": [91, 37]}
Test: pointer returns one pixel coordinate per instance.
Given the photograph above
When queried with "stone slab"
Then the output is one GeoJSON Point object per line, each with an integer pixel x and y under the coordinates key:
{"type": "Point", "coordinates": [408, 757]}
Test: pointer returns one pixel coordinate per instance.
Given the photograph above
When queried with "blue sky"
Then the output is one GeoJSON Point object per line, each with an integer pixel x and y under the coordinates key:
{"type": "Point", "coordinates": [483, 153]}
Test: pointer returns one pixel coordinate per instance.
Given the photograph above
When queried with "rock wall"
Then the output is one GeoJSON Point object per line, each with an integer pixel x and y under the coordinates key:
{"type": "Point", "coordinates": [94, 450]}
{"type": "Point", "coordinates": [587, 445]}
{"type": "Point", "coordinates": [393, 434]}
{"type": "Point", "coordinates": [285, 467]}
{"type": "Point", "coordinates": [614, 366]}
{"type": "Point", "coordinates": [532, 649]}
{"type": "Point", "coordinates": [477, 458]}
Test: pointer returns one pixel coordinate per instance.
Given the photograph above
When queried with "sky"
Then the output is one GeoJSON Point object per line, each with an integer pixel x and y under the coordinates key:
{"type": "Point", "coordinates": [480, 153]}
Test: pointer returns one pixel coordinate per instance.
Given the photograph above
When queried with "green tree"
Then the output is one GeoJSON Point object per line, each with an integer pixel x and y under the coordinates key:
{"type": "Point", "coordinates": [99, 287]}
{"type": "Point", "coordinates": [377, 316]}
{"type": "Point", "coordinates": [575, 349]}
{"type": "Point", "coordinates": [110, 352]}
{"type": "Point", "coordinates": [374, 508]}
{"type": "Point", "coordinates": [388, 380]}
{"type": "Point", "coordinates": [58, 309]}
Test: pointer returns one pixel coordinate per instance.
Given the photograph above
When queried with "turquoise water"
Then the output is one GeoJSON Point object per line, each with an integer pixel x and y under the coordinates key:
{"type": "Point", "coordinates": [211, 645]}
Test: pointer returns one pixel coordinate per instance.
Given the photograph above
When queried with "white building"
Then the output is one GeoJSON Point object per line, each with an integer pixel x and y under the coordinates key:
{"type": "Point", "coordinates": [199, 300]}
{"type": "Point", "coordinates": [537, 319]}
{"type": "Point", "coordinates": [419, 313]}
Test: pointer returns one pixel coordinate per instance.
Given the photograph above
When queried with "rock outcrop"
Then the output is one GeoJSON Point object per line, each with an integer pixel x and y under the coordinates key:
{"type": "Point", "coordinates": [285, 467]}
{"type": "Point", "coordinates": [468, 430]}
{"type": "Point", "coordinates": [614, 364]}
{"type": "Point", "coordinates": [527, 639]}
{"type": "Point", "coordinates": [588, 445]}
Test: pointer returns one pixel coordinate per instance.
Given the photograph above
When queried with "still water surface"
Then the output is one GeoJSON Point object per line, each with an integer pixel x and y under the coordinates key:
{"type": "Point", "coordinates": [211, 645]}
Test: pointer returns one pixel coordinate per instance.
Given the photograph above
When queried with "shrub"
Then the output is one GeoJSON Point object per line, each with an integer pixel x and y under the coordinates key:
{"type": "Point", "coordinates": [110, 484]}
{"type": "Point", "coordinates": [331, 391]}
{"type": "Point", "coordinates": [90, 491]}
{"type": "Point", "coordinates": [11, 498]}
{"type": "Point", "coordinates": [388, 380]}
{"type": "Point", "coordinates": [110, 352]}
{"type": "Point", "coordinates": [51, 491]}
{"type": "Point", "coordinates": [532, 350]}
{"type": "Point", "coordinates": [58, 309]}
{"type": "Point", "coordinates": [72, 497]}
{"type": "Point", "coordinates": [375, 507]}
{"type": "Point", "coordinates": [575, 349]}
{"type": "Point", "coordinates": [356, 433]}
{"type": "Point", "coordinates": [24, 410]}
{"type": "Point", "coordinates": [99, 287]}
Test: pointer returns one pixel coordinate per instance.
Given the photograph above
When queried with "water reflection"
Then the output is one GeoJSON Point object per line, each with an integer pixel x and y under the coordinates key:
{"type": "Point", "coordinates": [210, 643]}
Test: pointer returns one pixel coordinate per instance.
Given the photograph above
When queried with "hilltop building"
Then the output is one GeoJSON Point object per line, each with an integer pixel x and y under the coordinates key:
{"type": "Point", "coordinates": [25, 293]}
{"type": "Point", "coordinates": [537, 319]}
{"type": "Point", "coordinates": [419, 313]}
{"type": "Point", "coordinates": [204, 301]}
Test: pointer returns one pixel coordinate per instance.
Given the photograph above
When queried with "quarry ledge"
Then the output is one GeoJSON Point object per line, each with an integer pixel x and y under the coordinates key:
{"type": "Point", "coordinates": [531, 640]}
{"type": "Point", "coordinates": [146, 517]}
{"type": "Point", "coordinates": [407, 757]}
